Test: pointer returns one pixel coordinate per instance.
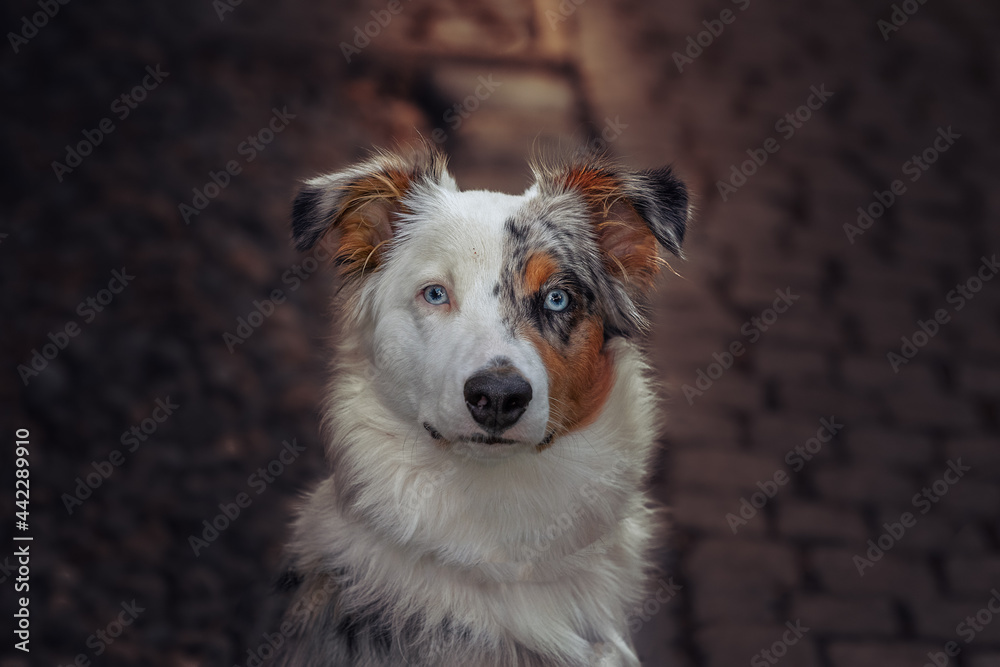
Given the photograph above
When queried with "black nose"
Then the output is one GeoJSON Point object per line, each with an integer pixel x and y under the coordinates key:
{"type": "Point", "coordinates": [497, 399]}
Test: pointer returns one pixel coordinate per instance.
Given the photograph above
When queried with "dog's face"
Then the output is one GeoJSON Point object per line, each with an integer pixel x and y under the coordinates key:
{"type": "Point", "coordinates": [487, 315]}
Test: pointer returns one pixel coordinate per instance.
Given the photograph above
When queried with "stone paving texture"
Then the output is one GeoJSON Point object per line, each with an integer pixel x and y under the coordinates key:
{"type": "Point", "coordinates": [808, 430]}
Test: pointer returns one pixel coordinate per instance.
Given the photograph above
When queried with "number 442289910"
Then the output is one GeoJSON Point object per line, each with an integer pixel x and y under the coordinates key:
{"type": "Point", "coordinates": [21, 484]}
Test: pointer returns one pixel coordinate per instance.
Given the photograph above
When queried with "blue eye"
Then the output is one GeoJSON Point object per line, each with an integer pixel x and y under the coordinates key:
{"type": "Point", "coordinates": [557, 300]}
{"type": "Point", "coordinates": [436, 295]}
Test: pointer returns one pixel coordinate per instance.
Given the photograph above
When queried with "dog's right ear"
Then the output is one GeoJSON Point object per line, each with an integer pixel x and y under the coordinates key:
{"type": "Point", "coordinates": [361, 205]}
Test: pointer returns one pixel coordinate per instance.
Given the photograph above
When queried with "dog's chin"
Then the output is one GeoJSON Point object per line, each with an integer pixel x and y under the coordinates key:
{"type": "Point", "coordinates": [487, 449]}
{"type": "Point", "coordinates": [484, 446]}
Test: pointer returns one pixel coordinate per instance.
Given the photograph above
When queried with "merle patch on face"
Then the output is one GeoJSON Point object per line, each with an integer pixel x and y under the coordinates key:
{"type": "Point", "coordinates": [551, 245]}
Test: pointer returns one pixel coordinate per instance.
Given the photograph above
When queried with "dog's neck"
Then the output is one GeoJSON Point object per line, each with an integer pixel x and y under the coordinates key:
{"type": "Point", "coordinates": [564, 529]}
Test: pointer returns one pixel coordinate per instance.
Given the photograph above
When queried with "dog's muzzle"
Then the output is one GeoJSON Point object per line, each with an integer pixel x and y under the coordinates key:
{"type": "Point", "coordinates": [497, 398]}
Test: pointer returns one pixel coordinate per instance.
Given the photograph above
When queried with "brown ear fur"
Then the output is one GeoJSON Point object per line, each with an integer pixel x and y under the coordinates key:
{"type": "Point", "coordinates": [361, 205]}
{"type": "Point", "coordinates": [365, 221]}
{"type": "Point", "coordinates": [626, 241]}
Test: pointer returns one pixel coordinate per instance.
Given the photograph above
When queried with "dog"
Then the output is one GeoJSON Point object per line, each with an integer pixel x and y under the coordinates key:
{"type": "Point", "coordinates": [491, 416]}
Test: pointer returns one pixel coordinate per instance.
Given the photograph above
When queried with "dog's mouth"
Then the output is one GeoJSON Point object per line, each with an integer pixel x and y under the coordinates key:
{"type": "Point", "coordinates": [483, 438]}
{"type": "Point", "coordinates": [433, 431]}
{"type": "Point", "coordinates": [478, 438]}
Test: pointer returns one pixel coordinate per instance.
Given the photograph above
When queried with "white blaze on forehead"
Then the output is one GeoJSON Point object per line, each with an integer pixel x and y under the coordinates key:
{"type": "Point", "coordinates": [466, 227]}
{"type": "Point", "coordinates": [447, 237]}
{"type": "Point", "coordinates": [457, 239]}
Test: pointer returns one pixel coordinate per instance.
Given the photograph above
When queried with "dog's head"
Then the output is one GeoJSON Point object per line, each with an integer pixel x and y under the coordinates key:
{"type": "Point", "coordinates": [486, 317]}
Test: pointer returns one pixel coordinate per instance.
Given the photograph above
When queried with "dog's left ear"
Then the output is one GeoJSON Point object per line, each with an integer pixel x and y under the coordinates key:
{"type": "Point", "coordinates": [361, 205]}
{"type": "Point", "coordinates": [634, 213]}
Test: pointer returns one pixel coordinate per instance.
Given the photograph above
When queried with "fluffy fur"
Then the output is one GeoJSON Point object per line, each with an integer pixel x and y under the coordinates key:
{"type": "Point", "coordinates": [437, 541]}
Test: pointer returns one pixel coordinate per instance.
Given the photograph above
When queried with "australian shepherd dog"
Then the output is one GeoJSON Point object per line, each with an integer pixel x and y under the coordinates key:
{"type": "Point", "coordinates": [491, 419]}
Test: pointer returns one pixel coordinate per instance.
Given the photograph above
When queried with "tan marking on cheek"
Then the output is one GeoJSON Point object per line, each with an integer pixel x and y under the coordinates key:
{"type": "Point", "coordinates": [580, 377]}
{"type": "Point", "coordinates": [539, 268]}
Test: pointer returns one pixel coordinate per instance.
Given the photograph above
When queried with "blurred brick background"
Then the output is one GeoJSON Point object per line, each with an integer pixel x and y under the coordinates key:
{"type": "Point", "coordinates": [589, 71]}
